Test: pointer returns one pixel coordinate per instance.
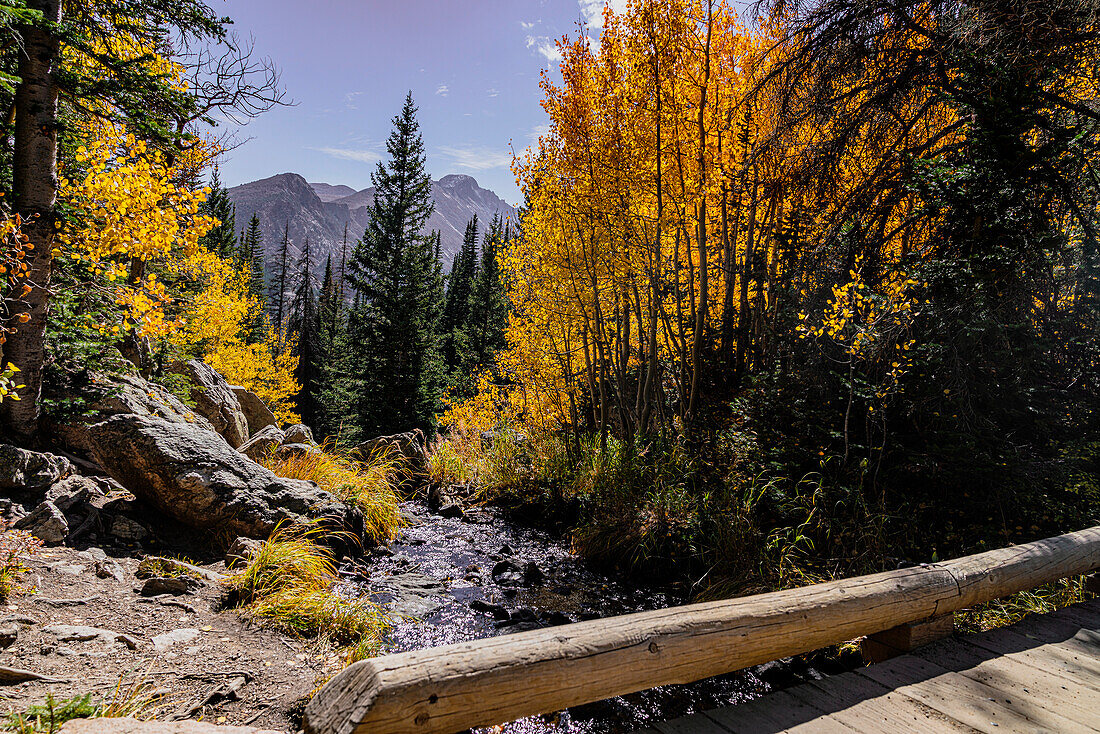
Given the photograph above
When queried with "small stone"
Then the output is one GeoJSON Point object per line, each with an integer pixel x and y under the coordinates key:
{"type": "Point", "coordinates": [127, 530]}
{"type": "Point", "coordinates": [506, 550]}
{"type": "Point", "coordinates": [9, 633]}
{"type": "Point", "coordinates": [107, 569]}
{"type": "Point", "coordinates": [241, 550]}
{"type": "Point", "coordinates": [167, 640]}
{"type": "Point", "coordinates": [451, 509]}
{"type": "Point", "coordinates": [170, 585]}
{"type": "Point", "coordinates": [507, 573]}
{"type": "Point", "coordinates": [299, 434]}
{"type": "Point", "coordinates": [497, 610]}
{"type": "Point", "coordinates": [532, 574]}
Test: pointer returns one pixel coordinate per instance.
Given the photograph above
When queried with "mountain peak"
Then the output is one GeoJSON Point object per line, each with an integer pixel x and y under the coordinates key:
{"type": "Point", "coordinates": [458, 181]}
{"type": "Point", "coordinates": [320, 211]}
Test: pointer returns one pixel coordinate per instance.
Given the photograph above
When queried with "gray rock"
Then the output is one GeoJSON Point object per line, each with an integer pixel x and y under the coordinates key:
{"type": "Point", "coordinates": [168, 640]}
{"type": "Point", "coordinates": [128, 530]}
{"type": "Point", "coordinates": [108, 569]}
{"type": "Point", "coordinates": [241, 551]}
{"type": "Point", "coordinates": [176, 586]}
{"type": "Point", "coordinates": [287, 450]}
{"type": "Point", "coordinates": [410, 446]}
{"type": "Point", "coordinates": [73, 492]}
{"type": "Point", "coordinates": [11, 511]}
{"type": "Point", "coordinates": [22, 470]}
{"type": "Point", "coordinates": [103, 725]}
{"type": "Point", "coordinates": [507, 573]}
{"type": "Point", "coordinates": [195, 477]}
{"type": "Point", "coordinates": [256, 413]}
{"type": "Point", "coordinates": [451, 509]}
{"type": "Point", "coordinates": [214, 400]}
{"type": "Point", "coordinates": [409, 594]}
{"type": "Point", "coordinates": [299, 433]}
{"type": "Point", "coordinates": [80, 633]}
{"type": "Point", "coordinates": [125, 395]}
{"type": "Point", "coordinates": [262, 443]}
{"type": "Point", "coordinates": [47, 523]}
{"type": "Point", "coordinates": [9, 633]}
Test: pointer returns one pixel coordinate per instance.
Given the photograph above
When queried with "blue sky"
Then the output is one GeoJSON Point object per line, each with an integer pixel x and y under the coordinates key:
{"type": "Point", "coordinates": [472, 65]}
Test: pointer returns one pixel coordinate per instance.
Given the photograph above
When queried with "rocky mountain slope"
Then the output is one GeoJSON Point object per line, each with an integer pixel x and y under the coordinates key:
{"type": "Point", "coordinates": [320, 211]}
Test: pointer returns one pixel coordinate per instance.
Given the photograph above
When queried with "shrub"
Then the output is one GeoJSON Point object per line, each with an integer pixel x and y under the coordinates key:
{"type": "Point", "coordinates": [15, 547]}
{"type": "Point", "coordinates": [370, 484]}
{"type": "Point", "coordinates": [290, 582]}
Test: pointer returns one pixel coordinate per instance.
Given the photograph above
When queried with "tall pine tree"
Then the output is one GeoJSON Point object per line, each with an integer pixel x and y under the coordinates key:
{"type": "Point", "coordinates": [251, 256]}
{"type": "Point", "coordinates": [488, 301]}
{"type": "Point", "coordinates": [302, 329]}
{"type": "Point", "coordinates": [222, 239]}
{"type": "Point", "coordinates": [280, 272]}
{"type": "Point", "coordinates": [456, 307]}
{"type": "Point", "coordinates": [396, 273]}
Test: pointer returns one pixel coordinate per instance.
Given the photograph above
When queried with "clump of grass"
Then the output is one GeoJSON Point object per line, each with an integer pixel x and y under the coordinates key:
{"type": "Point", "coordinates": [1011, 609]}
{"type": "Point", "coordinates": [15, 547]}
{"type": "Point", "coordinates": [47, 717]}
{"type": "Point", "coordinates": [446, 465]}
{"type": "Point", "coordinates": [161, 567]}
{"type": "Point", "coordinates": [131, 697]}
{"type": "Point", "coordinates": [370, 484]}
{"type": "Point", "coordinates": [290, 583]}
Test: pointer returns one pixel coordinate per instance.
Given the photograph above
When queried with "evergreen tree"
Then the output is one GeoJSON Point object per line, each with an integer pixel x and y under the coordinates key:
{"type": "Point", "coordinates": [303, 329]}
{"type": "Point", "coordinates": [396, 272]}
{"type": "Point", "coordinates": [343, 264]}
{"type": "Point", "coordinates": [456, 308]}
{"type": "Point", "coordinates": [222, 239]}
{"type": "Point", "coordinates": [279, 275]}
{"type": "Point", "coordinates": [251, 256]}
{"type": "Point", "coordinates": [489, 301]}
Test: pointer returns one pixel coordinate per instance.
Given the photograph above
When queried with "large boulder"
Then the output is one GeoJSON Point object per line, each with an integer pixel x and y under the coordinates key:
{"type": "Point", "coordinates": [45, 522]}
{"type": "Point", "coordinates": [194, 476]}
{"type": "Point", "coordinates": [123, 395]}
{"type": "Point", "coordinates": [21, 469]}
{"type": "Point", "coordinates": [262, 443]}
{"type": "Point", "coordinates": [299, 433]}
{"type": "Point", "coordinates": [409, 446]}
{"type": "Point", "coordinates": [214, 400]}
{"type": "Point", "coordinates": [256, 413]}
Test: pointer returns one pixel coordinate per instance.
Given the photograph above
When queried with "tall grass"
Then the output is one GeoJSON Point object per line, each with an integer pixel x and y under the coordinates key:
{"type": "Point", "coordinates": [290, 583]}
{"type": "Point", "coordinates": [369, 483]}
{"type": "Point", "coordinates": [1003, 612]}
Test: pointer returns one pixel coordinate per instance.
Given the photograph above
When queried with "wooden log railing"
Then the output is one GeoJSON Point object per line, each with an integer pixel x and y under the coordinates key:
{"type": "Point", "coordinates": [451, 688]}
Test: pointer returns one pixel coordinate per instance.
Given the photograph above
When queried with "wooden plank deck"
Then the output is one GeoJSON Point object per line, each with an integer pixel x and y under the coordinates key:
{"type": "Point", "coordinates": [1039, 675]}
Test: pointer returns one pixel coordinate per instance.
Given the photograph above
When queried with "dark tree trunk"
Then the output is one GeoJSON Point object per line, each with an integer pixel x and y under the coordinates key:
{"type": "Point", "coordinates": [35, 198]}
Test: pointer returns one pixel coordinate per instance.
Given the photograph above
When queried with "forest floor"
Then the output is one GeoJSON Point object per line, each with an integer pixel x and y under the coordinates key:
{"type": "Point", "coordinates": [164, 656]}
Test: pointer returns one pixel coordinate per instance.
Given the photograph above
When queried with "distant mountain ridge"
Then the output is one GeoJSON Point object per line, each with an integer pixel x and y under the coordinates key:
{"type": "Point", "coordinates": [320, 212]}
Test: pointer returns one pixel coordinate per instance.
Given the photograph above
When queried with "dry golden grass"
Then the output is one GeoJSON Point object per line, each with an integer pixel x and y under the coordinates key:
{"type": "Point", "coordinates": [290, 584]}
{"type": "Point", "coordinates": [1011, 609]}
{"type": "Point", "coordinates": [370, 483]}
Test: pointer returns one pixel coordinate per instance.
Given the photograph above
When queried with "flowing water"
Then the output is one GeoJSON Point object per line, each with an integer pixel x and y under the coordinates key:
{"type": "Point", "coordinates": [454, 579]}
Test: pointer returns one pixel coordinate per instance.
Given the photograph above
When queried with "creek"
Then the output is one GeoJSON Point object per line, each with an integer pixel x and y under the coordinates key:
{"type": "Point", "coordinates": [452, 579]}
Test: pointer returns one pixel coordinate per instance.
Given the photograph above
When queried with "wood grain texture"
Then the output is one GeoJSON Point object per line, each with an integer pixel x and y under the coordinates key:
{"type": "Point", "coordinates": [455, 687]}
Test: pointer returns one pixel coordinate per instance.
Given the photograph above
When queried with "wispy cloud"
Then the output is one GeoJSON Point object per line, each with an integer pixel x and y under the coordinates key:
{"type": "Point", "coordinates": [592, 10]}
{"type": "Point", "coordinates": [545, 46]}
{"type": "Point", "coordinates": [492, 92]}
{"type": "Point", "coordinates": [537, 132]}
{"type": "Point", "coordinates": [351, 154]}
{"type": "Point", "coordinates": [443, 90]}
{"type": "Point", "coordinates": [525, 25]}
{"type": "Point", "coordinates": [476, 158]}
{"type": "Point", "coordinates": [350, 100]}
